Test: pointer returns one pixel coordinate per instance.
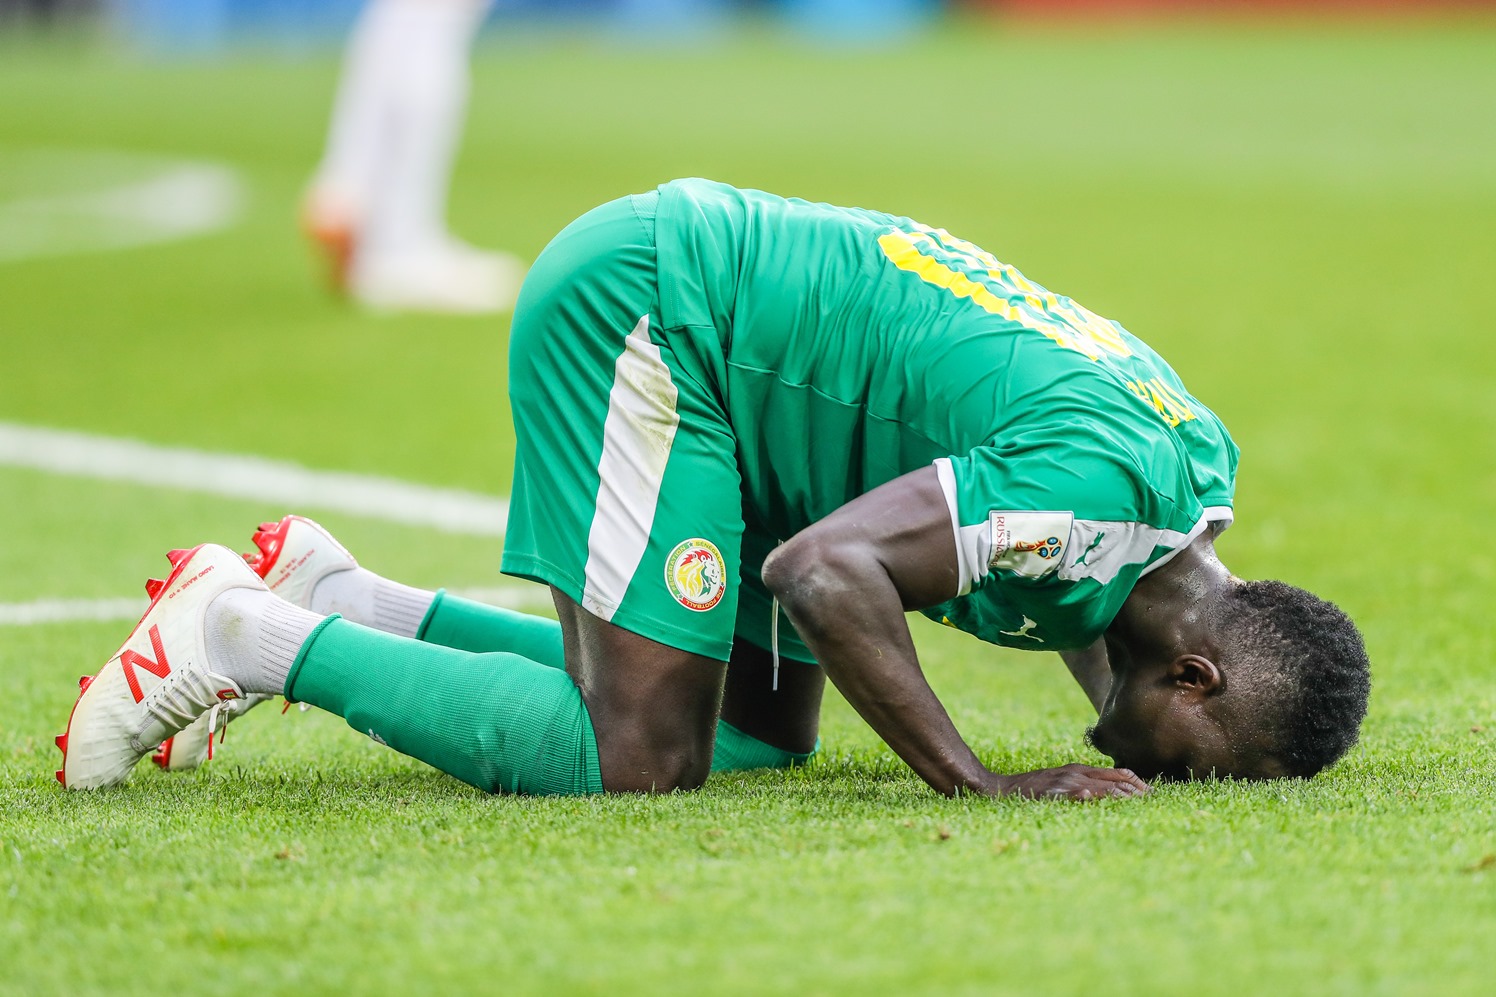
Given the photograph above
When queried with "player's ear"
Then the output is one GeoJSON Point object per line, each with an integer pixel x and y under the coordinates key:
{"type": "Point", "coordinates": [1196, 673]}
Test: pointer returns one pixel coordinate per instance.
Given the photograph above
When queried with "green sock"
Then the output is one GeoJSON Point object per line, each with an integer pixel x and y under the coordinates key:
{"type": "Point", "coordinates": [474, 626]}
{"type": "Point", "coordinates": [498, 721]}
{"type": "Point", "coordinates": [738, 752]}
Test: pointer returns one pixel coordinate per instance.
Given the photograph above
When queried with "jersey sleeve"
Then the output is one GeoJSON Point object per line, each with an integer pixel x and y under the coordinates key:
{"type": "Point", "coordinates": [1053, 531]}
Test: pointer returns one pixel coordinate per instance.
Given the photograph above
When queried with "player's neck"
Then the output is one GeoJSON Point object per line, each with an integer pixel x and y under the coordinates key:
{"type": "Point", "coordinates": [1169, 610]}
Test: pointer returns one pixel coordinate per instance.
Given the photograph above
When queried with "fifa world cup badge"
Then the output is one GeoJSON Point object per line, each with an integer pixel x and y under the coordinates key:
{"type": "Point", "coordinates": [695, 574]}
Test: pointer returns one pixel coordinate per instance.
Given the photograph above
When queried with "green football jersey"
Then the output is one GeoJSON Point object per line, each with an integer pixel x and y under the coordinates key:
{"type": "Point", "coordinates": [856, 346]}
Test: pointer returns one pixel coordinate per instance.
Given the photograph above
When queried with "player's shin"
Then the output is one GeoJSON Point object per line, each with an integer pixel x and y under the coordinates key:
{"type": "Point", "coordinates": [498, 721]}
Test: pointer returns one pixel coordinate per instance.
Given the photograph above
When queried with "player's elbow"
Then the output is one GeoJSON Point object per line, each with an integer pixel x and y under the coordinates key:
{"type": "Point", "coordinates": [789, 569]}
{"type": "Point", "coordinates": [809, 571]}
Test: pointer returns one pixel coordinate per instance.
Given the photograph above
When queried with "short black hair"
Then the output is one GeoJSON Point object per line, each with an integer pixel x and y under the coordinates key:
{"type": "Point", "coordinates": [1300, 671]}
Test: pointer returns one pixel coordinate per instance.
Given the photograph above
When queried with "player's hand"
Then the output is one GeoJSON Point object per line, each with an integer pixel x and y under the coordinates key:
{"type": "Point", "coordinates": [1073, 782]}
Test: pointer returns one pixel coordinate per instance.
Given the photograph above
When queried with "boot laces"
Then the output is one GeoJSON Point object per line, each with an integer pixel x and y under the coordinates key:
{"type": "Point", "coordinates": [176, 702]}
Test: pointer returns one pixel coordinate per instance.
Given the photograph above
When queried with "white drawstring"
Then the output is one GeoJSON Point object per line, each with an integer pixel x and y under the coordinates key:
{"type": "Point", "coordinates": [774, 643]}
{"type": "Point", "coordinates": [774, 634]}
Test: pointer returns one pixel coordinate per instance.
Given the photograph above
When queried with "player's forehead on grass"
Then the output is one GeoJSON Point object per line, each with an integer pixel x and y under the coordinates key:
{"type": "Point", "coordinates": [1279, 688]}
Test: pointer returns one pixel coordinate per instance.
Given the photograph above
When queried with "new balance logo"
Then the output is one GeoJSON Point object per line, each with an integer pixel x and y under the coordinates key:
{"type": "Point", "coordinates": [130, 661]}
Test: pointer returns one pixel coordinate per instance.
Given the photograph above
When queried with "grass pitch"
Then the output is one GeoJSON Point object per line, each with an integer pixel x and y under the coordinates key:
{"type": "Point", "coordinates": [1299, 218]}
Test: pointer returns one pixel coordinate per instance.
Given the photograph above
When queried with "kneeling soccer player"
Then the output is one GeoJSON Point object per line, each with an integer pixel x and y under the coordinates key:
{"type": "Point", "coordinates": [732, 406]}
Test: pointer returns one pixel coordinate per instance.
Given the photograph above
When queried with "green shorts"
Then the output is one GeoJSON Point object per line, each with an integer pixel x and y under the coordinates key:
{"type": "Point", "coordinates": [627, 495]}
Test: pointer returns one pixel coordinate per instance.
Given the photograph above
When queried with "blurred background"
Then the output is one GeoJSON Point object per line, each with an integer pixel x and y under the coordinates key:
{"type": "Point", "coordinates": [205, 25]}
{"type": "Point", "coordinates": [187, 26]}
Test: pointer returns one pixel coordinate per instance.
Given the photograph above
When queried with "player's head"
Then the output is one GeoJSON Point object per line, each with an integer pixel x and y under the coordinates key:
{"type": "Point", "coordinates": [1280, 691]}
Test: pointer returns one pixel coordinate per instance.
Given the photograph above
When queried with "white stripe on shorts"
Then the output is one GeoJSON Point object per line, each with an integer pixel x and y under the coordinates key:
{"type": "Point", "coordinates": [637, 437]}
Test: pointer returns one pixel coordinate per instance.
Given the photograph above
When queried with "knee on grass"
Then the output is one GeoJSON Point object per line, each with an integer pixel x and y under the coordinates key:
{"type": "Point", "coordinates": [632, 764]}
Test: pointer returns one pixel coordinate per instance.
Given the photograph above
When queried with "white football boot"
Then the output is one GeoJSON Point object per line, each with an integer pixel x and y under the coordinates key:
{"type": "Point", "coordinates": [194, 745]}
{"type": "Point", "coordinates": [189, 748]}
{"type": "Point", "coordinates": [446, 277]}
{"type": "Point", "coordinates": [294, 555]}
{"type": "Point", "coordinates": [330, 222]}
{"type": "Point", "coordinates": [160, 680]}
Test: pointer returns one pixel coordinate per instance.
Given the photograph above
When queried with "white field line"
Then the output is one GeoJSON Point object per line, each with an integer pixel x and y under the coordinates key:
{"type": "Point", "coordinates": [21, 614]}
{"type": "Point", "coordinates": [521, 596]}
{"type": "Point", "coordinates": [126, 200]}
{"type": "Point", "coordinates": [290, 486]}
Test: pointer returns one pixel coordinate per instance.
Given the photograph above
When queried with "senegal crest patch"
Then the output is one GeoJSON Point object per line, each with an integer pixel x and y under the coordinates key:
{"type": "Point", "coordinates": [695, 574]}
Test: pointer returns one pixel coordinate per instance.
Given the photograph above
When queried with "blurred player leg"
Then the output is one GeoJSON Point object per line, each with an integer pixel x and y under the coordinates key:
{"type": "Point", "coordinates": [378, 202]}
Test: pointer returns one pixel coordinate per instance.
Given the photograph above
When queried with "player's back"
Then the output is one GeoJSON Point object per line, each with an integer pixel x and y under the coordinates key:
{"type": "Point", "coordinates": [856, 346]}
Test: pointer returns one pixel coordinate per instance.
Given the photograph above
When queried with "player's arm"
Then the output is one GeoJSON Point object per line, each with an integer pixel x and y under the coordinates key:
{"type": "Point", "coordinates": [847, 581]}
{"type": "Point", "coordinates": [1092, 669]}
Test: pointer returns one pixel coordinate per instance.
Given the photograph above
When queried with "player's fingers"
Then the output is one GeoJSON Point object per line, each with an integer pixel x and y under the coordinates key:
{"type": "Point", "coordinates": [1095, 791]}
{"type": "Point", "coordinates": [1123, 789]}
{"type": "Point", "coordinates": [1118, 776]}
{"type": "Point", "coordinates": [1080, 782]}
{"type": "Point", "coordinates": [1131, 778]}
{"type": "Point", "coordinates": [1094, 786]}
{"type": "Point", "coordinates": [1121, 782]}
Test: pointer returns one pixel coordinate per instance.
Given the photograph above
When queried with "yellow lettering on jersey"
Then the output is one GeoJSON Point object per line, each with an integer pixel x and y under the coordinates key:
{"type": "Point", "coordinates": [902, 250]}
{"type": "Point", "coordinates": [1083, 330]}
{"type": "Point", "coordinates": [1164, 400]}
{"type": "Point", "coordinates": [1180, 406]}
{"type": "Point", "coordinates": [979, 255]}
{"type": "Point", "coordinates": [1102, 332]}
